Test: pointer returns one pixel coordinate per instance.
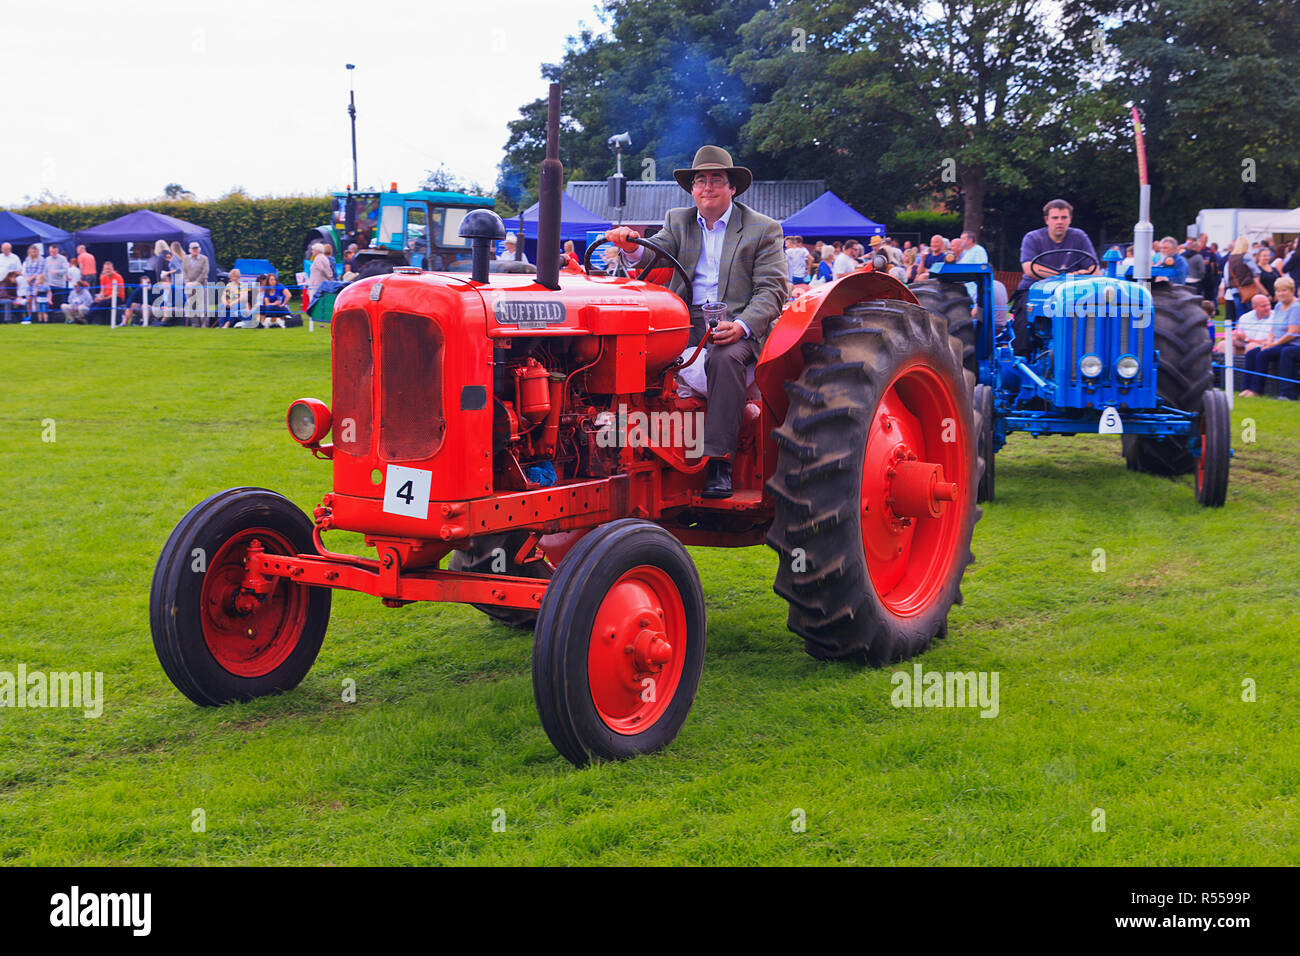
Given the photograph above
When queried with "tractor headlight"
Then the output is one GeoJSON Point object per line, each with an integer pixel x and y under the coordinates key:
{"type": "Point", "coordinates": [1127, 367]}
{"type": "Point", "coordinates": [1090, 366]}
{"type": "Point", "coordinates": [308, 420]}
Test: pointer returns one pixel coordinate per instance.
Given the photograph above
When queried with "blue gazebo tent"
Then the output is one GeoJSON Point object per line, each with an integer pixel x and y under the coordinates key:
{"type": "Point", "coordinates": [145, 225]}
{"type": "Point", "coordinates": [830, 217]}
{"type": "Point", "coordinates": [576, 220]}
{"type": "Point", "coordinates": [21, 231]}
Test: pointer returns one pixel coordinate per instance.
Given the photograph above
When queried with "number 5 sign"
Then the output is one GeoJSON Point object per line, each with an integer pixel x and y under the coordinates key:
{"type": "Point", "coordinates": [1110, 423]}
{"type": "Point", "coordinates": [406, 491]}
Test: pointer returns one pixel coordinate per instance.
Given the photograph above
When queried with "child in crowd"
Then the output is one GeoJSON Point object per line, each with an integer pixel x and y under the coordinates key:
{"type": "Point", "coordinates": [38, 300]}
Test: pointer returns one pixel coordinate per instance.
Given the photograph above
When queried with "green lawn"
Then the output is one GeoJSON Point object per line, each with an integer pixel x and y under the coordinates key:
{"type": "Point", "coordinates": [1120, 690]}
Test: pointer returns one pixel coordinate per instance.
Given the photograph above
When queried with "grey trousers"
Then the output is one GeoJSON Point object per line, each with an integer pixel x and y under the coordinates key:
{"type": "Point", "coordinates": [724, 369]}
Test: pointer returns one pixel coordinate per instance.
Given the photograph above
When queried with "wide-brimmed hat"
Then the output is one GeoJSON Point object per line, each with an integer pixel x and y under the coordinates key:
{"type": "Point", "coordinates": [710, 158]}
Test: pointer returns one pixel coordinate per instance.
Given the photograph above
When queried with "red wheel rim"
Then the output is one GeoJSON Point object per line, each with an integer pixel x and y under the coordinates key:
{"type": "Point", "coordinates": [638, 650]}
{"type": "Point", "coordinates": [914, 494]}
{"type": "Point", "coordinates": [255, 643]}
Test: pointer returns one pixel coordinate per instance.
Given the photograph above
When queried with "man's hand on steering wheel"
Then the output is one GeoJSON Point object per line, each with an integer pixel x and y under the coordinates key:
{"type": "Point", "coordinates": [1077, 258]}
{"type": "Point", "coordinates": [620, 236]}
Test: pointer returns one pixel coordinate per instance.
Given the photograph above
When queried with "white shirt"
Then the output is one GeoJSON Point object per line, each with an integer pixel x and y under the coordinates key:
{"type": "Point", "coordinates": [975, 255]}
{"type": "Point", "coordinates": [844, 264]}
{"type": "Point", "coordinates": [704, 280]}
{"type": "Point", "coordinates": [9, 263]}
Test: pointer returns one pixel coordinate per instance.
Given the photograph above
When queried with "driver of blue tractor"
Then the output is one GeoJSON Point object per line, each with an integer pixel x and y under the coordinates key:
{"type": "Point", "coordinates": [1054, 245]}
{"type": "Point", "coordinates": [735, 256]}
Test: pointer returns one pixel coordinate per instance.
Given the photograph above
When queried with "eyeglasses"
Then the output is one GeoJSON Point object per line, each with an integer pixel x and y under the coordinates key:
{"type": "Point", "coordinates": [711, 181]}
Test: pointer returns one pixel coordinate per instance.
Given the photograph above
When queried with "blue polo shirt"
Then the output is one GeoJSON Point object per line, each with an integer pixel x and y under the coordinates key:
{"type": "Point", "coordinates": [1039, 241]}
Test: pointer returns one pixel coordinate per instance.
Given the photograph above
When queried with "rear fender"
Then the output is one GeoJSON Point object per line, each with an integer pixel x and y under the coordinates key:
{"type": "Point", "coordinates": [782, 360]}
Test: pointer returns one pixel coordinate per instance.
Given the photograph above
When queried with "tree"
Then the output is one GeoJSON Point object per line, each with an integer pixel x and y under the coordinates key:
{"type": "Point", "coordinates": [959, 96]}
{"type": "Point", "coordinates": [444, 180]}
{"type": "Point", "coordinates": [663, 74]}
{"type": "Point", "coordinates": [1217, 86]}
{"type": "Point", "coordinates": [177, 191]}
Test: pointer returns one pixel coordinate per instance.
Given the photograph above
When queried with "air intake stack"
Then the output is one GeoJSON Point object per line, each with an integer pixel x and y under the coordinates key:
{"type": "Point", "coordinates": [548, 214]}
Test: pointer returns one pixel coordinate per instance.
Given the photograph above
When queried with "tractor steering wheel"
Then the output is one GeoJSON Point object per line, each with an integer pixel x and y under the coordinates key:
{"type": "Point", "coordinates": [1078, 256]}
{"type": "Point", "coordinates": [643, 268]}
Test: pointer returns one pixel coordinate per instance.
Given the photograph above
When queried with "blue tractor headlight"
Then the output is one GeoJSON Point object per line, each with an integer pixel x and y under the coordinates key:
{"type": "Point", "coordinates": [1128, 367]}
{"type": "Point", "coordinates": [1090, 366]}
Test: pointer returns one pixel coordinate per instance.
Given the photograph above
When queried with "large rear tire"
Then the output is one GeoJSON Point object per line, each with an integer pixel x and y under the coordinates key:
{"type": "Point", "coordinates": [880, 434]}
{"type": "Point", "coordinates": [620, 643]}
{"type": "Point", "coordinates": [1182, 381]}
{"type": "Point", "coordinates": [950, 301]}
{"type": "Point", "coordinates": [213, 641]}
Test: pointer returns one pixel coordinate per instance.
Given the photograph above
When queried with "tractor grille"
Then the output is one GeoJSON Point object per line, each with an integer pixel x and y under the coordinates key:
{"type": "Point", "coordinates": [353, 383]}
{"type": "Point", "coordinates": [411, 420]}
{"type": "Point", "coordinates": [1106, 335]}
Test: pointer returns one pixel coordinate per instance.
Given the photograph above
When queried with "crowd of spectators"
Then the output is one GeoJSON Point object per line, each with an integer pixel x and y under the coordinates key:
{"type": "Point", "coordinates": [174, 283]}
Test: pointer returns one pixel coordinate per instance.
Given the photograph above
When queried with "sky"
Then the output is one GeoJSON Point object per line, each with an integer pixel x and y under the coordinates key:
{"type": "Point", "coordinates": [114, 100]}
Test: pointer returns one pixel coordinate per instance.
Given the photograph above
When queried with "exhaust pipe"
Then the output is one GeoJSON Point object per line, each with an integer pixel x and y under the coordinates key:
{"type": "Point", "coordinates": [548, 213]}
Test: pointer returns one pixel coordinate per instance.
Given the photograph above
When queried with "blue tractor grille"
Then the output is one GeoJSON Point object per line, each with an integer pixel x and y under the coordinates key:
{"type": "Point", "coordinates": [1110, 320]}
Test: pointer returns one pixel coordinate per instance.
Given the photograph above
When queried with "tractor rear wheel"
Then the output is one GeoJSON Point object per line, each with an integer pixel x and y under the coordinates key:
{"type": "Point", "coordinates": [875, 484]}
{"type": "Point", "coordinates": [950, 301]}
{"type": "Point", "coordinates": [620, 643]}
{"type": "Point", "coordinates": [1216, 437]}
{"type": "Point", "coordinates": [984, 411]}
{"type": "Point", "coordinates": [1182, 381]}
{"type": "Point", "coordinates": [216, 641]}
{"type": "Point", "coordinates": [375, 267]}
{"type": "Point", "coordinates": [495, 554]}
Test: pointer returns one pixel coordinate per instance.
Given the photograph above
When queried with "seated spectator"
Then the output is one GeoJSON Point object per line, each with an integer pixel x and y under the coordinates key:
{"type": "Point", "coordinates": [911, 266]}
{"type": "Point", "coordinates": [234, 301]}
{"type": "Point", "coordinates": [1253, 334]}
{"type": "Point", "coordinates": [1285, 345]}
{"type": "Point", "coordinates": [274, 307]}
{"type": "Point", "coordinates": [938, 248]}
{"type": "Point", "coordinates": [102, 306]}
{"type": "Point", "coordinates": [9, 294]}
{"type": "Point", "coordinates": [79, 304]}
{"type": "Point", "coordinates": [825, 272]}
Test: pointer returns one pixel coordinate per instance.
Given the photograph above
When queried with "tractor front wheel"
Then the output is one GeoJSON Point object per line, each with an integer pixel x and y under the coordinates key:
{"type": "Point", "coordinates": [875, 484]}
{"type": "Point", "coordinates": [1216, 436]}
{"type": "Point", "coordinates": [215, 639]}
{"type": "Point", "coordinates": [984, 409]}
{"type": "Point", "coordinates": [619, 643]}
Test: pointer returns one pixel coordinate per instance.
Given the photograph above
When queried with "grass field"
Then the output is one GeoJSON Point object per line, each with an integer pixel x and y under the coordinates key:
{"type": "Point", "coordinates": [1120, 690]}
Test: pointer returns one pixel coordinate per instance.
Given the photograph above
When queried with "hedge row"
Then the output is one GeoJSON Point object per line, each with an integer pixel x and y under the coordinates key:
{"type": "Point", "coordinates": [926, 224]}
{"type": "Point", "coordinates": [241, 228]}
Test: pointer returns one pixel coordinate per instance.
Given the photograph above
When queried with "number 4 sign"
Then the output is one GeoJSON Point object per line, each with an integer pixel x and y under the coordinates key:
{"type": "Point", "coordinates": [1111, 423]}
{"type": "Point", "coordinates": [406, 491]}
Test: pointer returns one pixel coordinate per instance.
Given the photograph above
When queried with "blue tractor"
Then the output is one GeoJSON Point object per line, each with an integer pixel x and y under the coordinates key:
{"type": "Point", "coordinates": [1107, 353]}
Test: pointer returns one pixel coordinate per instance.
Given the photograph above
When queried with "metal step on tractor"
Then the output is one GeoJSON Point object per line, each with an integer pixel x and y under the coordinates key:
{"type": "Point", "coordinates": [528, 429]}
{"type": "Point", "coordinates": [1100, 354]}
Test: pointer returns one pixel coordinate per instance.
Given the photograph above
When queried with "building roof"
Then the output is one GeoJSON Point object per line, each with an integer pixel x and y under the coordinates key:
{"type": "Point", "coordinates": [648, 202]}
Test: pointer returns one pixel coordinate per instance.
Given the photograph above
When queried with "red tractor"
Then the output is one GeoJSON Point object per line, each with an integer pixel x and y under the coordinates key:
{"type": "Point", "coordinates": [529, 429]}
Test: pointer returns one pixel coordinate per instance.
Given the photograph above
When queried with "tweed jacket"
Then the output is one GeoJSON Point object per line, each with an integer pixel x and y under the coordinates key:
{"type": "Point", "coordinates": [753, 277]}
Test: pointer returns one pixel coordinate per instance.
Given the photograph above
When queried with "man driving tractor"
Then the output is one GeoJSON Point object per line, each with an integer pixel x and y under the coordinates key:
{"type": "Point", "coordinates": [736, 257]}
